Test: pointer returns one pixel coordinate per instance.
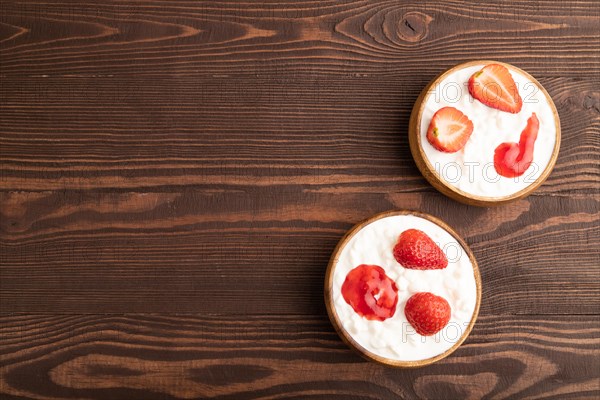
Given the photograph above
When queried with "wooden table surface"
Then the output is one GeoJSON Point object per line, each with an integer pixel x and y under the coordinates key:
{"type": "Point", "coordinates": [175, 175]}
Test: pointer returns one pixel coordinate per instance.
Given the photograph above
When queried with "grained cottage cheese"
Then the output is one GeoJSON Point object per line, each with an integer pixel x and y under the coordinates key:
{"type": "Point", "coordinates": [395, 338]}
{"type": "Point", "coordinates": [472, 168]}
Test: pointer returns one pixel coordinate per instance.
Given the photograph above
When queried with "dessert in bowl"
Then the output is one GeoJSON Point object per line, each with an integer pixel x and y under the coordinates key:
{"type": "Point", "coordinates": [403, 289]}
{"type": "Point", "coordinates": [485, 133]}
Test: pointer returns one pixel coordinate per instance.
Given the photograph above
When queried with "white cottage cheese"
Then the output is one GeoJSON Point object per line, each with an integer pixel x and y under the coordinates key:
{"type": "Point", "coordinates": [395, 338]}
{"type": "Point", "coordinates": [472, 168]}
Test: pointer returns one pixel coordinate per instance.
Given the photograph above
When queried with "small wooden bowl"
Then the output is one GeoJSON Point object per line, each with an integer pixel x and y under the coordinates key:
{"type": "Point", "coordinates": [414, 137]}
{"type": "Point", "coordinates": [347, 337]}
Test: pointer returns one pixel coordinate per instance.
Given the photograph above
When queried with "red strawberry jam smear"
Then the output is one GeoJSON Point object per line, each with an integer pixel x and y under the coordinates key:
{"type": "Point", "coordinates": [512, 159]}
{"type": "Point", "coordinates": [370, 292]}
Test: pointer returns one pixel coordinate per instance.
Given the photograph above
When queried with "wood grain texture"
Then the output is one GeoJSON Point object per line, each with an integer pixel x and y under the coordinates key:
{"type": "Point", "coordinates": [168, 157]}
{"type": "Point", "coordinates": [345, 134]}
{"type": "Point", "coordinates": [197, 251]}
{"type": "Point", "coordinates": [269, 357]}
{"type": "Point", "coordinates": [365, 37]}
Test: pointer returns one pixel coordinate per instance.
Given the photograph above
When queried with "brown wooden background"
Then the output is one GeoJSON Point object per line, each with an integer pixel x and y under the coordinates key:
{"type": "Point", "coordinates": [175, 175]}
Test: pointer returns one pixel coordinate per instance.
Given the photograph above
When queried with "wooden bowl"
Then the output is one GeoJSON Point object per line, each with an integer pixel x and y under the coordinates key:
{"type": "Point", "coordinates": [414, 136]}
{"type": "Point", "coordinates": [347, 337]}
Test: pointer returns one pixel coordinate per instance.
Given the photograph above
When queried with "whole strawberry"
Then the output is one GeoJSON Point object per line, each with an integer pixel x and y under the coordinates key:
{"type": "Point", "coordinates": [416, 250]}
{"type": "Point", "coordinates": [427, 313]}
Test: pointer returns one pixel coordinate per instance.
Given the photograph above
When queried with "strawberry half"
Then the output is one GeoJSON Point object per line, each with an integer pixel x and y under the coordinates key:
{"type": "Point", "coordinates": [416, 250]}
{"type": "Point", "coordinates": [427, 313]}
{"type": "Point", "coordinates": [495, 87]}
{"type": "Point", "coordinates": [449, 130]}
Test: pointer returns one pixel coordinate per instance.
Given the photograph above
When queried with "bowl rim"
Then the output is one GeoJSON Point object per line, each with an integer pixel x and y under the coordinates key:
{"type": "Point", "coordinates": [427, 170]}
{"type": "Point", "coordinates": [347, 337]}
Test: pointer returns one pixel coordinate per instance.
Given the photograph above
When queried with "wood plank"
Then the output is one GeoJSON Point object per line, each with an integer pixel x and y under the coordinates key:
{"type": "Point", "coordinates": [175, 174]}
{"type": "Point", "coordinates": [264, 250]}
{"type": "Point", "coordinates": [77, 133]}
{"type": "Point", "coordinates": [196, 356]}
{"type": "Point", "coordinates": [354, 37]}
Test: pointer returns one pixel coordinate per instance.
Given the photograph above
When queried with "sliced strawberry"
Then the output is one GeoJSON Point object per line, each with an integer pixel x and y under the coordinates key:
{"type": "Point", "coordinates": [512, 159]}
{"type": "Point", "coordinates": [427, 313]}
{"type": "Point", "coordinates": [416, 250]}
{"type": "Point", "coordinates": [449, 130]}
{"type": "Point", "coordinates": [495, 87]}
{"type": "Point", "coordinates": [370, 292]}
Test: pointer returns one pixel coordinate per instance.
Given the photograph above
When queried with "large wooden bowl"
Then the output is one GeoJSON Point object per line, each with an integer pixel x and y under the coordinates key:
{"type": "Point", "coordinates": [414, 136]}
{"type": "Point", "coordinates": [347, 337]}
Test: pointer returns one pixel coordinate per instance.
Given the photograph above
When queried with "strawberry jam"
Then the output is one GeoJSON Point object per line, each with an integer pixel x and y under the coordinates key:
{"type": "Point", "coordinates": [370, 292]}
{"type": "Point", "coordinates": [512, 159]}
